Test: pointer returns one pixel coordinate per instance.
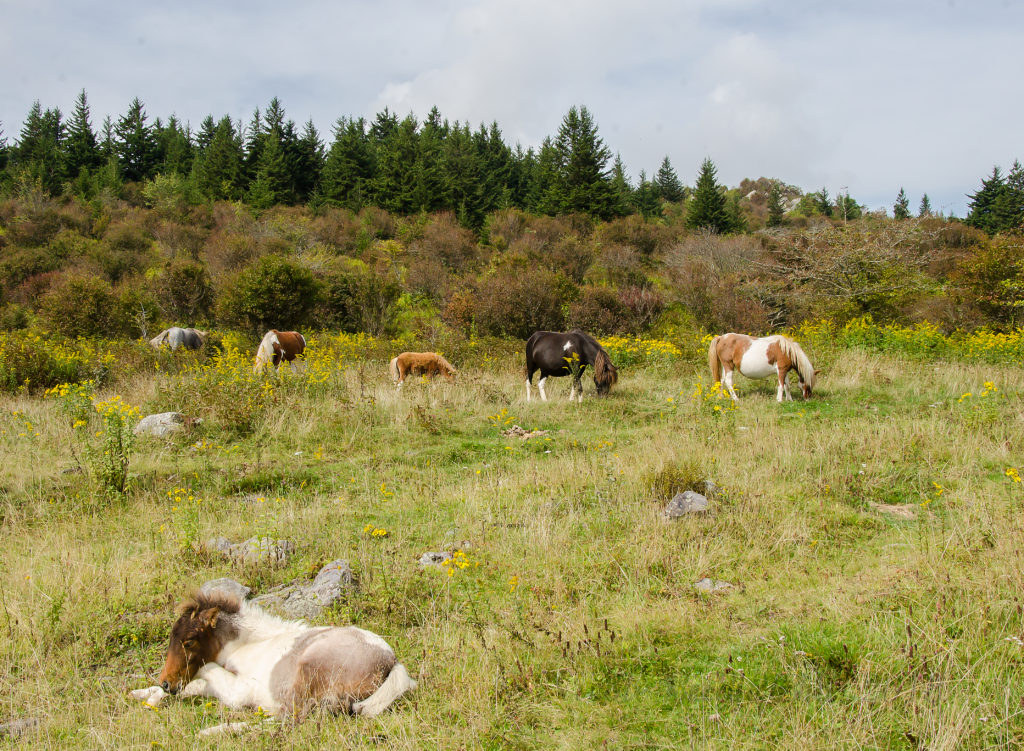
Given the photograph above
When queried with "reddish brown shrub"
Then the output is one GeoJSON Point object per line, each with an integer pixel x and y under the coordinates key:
{"type": "Point", "coordinates": [444, 239]}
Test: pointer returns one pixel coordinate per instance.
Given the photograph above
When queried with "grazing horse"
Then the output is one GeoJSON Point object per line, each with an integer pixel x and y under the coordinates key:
{"type": "Point", "coordinates": [764, 357]}
{"type": "Point", "coordinates": [278, 347]}
{"type": "Point", "coordinates": [231, 650]}
{"type": "Point", "coordinates": [176, 337]}
{"type": "Point", "coordinates": [555, 353]}
{"type": "Point", "coordinates": [420, 363]}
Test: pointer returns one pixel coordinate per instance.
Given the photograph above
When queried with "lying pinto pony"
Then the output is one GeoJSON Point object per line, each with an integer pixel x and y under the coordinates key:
{"type": "Point", "coordinates": [233, 651]}
{"type": "Point", "coordinates": [420, 363]}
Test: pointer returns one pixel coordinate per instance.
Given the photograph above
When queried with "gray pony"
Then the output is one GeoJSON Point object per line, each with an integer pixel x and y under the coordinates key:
{"type": "Point", "coordinates": [176, 337]}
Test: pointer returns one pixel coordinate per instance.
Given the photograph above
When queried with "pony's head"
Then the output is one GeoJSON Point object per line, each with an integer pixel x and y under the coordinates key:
{"type": "Point", "coordinates": [606, 375]}
{"type": "Point", "coordinates": [807, 384]}
{"type": "Point", "coordinates": [197, 637]}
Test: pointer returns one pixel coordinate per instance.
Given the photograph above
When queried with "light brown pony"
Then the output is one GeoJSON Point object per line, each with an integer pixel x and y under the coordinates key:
{"type": "Point", "coordinates": [420, 363]}
{"type": "Point", "coordinates": [232, 650]}
{"type": "Point", "coordinates": [277, 347]}
{"type": "Point", "coordinates": [760, 358]}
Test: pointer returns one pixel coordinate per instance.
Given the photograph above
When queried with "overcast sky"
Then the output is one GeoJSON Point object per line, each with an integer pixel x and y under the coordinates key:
{"type": "Point", "coordinates": [868, 96]}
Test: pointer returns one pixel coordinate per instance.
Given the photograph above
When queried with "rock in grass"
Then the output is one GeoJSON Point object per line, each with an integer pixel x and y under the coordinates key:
{"type": "Point", "coordinates": [160, 425]}
{"type": "Point", "coordinates": [707, 584]}
{"type": "Point", "coordinates": [253, 550]}
{"type": "Point", "coordinates": [307, 600]}
{"type": "Point", "coordinates": [18, 728]}
{"type": "Point", "coordinates": [686, 503]}
{"type": "Point", "coordinates": [435, 558]}
{"type": "Point", "coordinates": [224, 584]}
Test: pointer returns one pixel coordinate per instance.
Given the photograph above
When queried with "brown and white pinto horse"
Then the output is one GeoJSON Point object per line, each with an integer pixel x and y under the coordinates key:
{"type": "Point", "coordinates": [764, 357]}
{"type": "Point", "coordinates": [420, 363]}
{"type": "Point", "coordinates": [233, 651]}
{"type": "Point", "coordinates": [278, 347]}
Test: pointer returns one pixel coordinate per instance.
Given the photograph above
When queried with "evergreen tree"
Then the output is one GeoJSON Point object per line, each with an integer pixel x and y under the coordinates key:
{"type": "Point", "coordinates": [668, 185]}
{"type": "Point", "coordinates": [108, 149]}
{"type": "Point", "coordinates": [1012, 203]}
{"type": "Point", "coordinates": [621, 189]}
{"type": "Point", "coordinates": [776, 208]}
{"type": "Point", "coordinates": [707, 207]}
{"type": "Point", "coordinates": [38, 152]}
{"type": "Point", "coordinates": [583, 184]}
{"type": "Point", "coordinates": [273, 179]}
{"type": "Point", "coordinates": [925, 209]}
{"type": "Point", "coordinates": [524, 163]}
{"type": "Point", "coordinates": [350, 165]}
{"type": "Point", "coordinates": [546, 197]}
{"type": "Point", "coordinates": [135, 144]}
{"type": "Point", "coordinates": [495, 168]}
{"type": "Point", "coordinates": [253, 136]}
{"type": "Point", "coordinates": [394, 183]}
{"type": "Point", "coordinates": [847, 207]}
{"type": "Point", "coordinates": [901, 209]}
{"type": "Point", "coordinates": [737, 220]}
{"type": "Point", "coordinates": [175, 148]}
{"type": "Point", "coordinates": [429, 181]}
{"type": "Point", "coordinates": [217, 169]}
{"type": "Point", "coordinates": [81, 149]}
{"type": "Point", "coordinates": [4, 152]}
{"type": "Point", "coordinates": [646, 198]}
{"type": "Point", "coordinates": [822, 202]}
{"type": "Point", "coordinates": [460, 162]}
{"type": "Point", "coordinates": [309, 162]}
{"type": "Point", "coordinates": [204, 136]}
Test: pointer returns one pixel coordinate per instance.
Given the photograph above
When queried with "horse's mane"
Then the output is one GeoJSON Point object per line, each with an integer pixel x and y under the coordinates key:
{"type": "Point", "coordinates": [225, 601]}
{"type": "Point", "coordinates": [799, 359]}
{"type": "Point", "coordinates": [605, 372]}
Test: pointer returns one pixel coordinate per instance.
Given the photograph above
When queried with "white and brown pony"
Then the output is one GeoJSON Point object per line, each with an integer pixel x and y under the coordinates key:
{"type": "Point", "coordinates": [277, 347]}
{"type": "Point", "coordinates": [763, 357]}
{"type": "Point", "coordinates": [176, 336]}
{"type": "Point", "coordinates": [232, 651]}
{"type": "Point", "coordinates": [420, 363]}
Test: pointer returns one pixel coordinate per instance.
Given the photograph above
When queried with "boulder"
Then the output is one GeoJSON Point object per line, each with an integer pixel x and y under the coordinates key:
{"type": "Point", "coordinates": [299, 599]}
{"type": "Point", "coordinates": [224, 584]}
{"type": "Point", "coordinates": [708, 584]}
{"type": "Point", "coordinates": [253, 550]}
{"type": "Point", "coordinates": [435, 558]}
{"type": "Point", "coordinates": [161, 425]}
{"type": "Point", "coordinates": [686, 503]}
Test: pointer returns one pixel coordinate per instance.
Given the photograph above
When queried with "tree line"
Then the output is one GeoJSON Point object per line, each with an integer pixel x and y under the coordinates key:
{"type": "Point", "coordinates": [405, 167]}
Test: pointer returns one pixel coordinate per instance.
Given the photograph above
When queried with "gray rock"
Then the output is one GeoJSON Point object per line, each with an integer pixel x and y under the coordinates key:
{"type": "Point", "coordinates": [18, 728]}
{"type": "Point", "coordinates": [711, 489]}
{"type": "Point", "coordinates": [160, 425]}
{"type": "Point", "coordinates": [301, 600]}
{"type": "Point", "coordinates": [224, 584]}
{"type": "Point", "coordinates": [708, 584]}
{"type": "Point", "coordinates": [253, 550]}
{"type": "Point", "coordinates": [435, 558]}
{"type": "Point", "coordinates": [686, 503]}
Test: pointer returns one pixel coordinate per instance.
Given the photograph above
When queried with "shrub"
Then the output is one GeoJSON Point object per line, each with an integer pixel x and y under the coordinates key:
{"type": "Point", "coordinates": [444, 239]}
{"type": "Point", "coordinates": [274, 292]}
{"type": "Point", "coordinates": [515, 302]}
{"type": "Point", "coordinates": [647, 238]}
{"type": "Point", "coordinates": [35, 362]}
{"type": "Point", "coordinates": [598, 311]}
{"type": "Point", "coordinates": [356, 299]}
{"type": "Point", "coordinates": [184, 291]}
{"type": "Point", "coordinates": [505, 227]}
{"type": "Point", "coordinates": [83, 306]}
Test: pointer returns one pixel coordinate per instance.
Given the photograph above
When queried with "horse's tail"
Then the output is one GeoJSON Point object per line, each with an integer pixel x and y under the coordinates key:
{"type": "Point", "coordinates": [265, 352]}
{"type": "Point", "coordinates": [398, 682]}
{"type": "Point", "coordinates": [393, 369]}
{"type": "Point", "coordinates": [604, 372]}
{"type": "Point", "coordinates": [714, 365]}
{"type": "Point", "coordinates": [799, 359]}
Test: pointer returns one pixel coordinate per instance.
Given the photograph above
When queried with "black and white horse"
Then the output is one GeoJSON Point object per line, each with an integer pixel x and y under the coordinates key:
{"type": "Point", "coordinates": [556, 354]}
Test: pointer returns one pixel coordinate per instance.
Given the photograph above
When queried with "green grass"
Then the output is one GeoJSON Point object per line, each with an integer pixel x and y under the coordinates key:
{"type": "Point", "coordinates": [848, 627]}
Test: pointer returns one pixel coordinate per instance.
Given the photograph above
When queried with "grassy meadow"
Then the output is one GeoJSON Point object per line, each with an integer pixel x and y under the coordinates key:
{"type": "Point", "coordinates": [874, 535]}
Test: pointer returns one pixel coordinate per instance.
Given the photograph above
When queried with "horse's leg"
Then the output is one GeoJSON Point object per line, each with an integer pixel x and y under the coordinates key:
{"type": "Point", "coordinates": [540, 388]}
{"type": "Point", "coordinates": [214, 681]}
{"type": "Point", "coordinates": [578, 384]}
{"type": "Point", "coordinates": [783, 389]}
{"type": "Point", "coordinates": [727, 380]}
{"type": "Point", "coordinates": [572, 391]}
{"type": "Point", "coordinates": [529, 383]}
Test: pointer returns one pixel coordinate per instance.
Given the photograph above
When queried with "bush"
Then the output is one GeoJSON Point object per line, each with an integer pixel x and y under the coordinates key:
{"type": "Point", "coordinates": [444, 239]}
{"type": "Point", "coordinates": [515, 302]}
{"type": "Point", "coordinates": [83, 306]}
{"type": "Point", "coordinates": [35, 362]}
{"type": "Point", "coordinates": [598, 311]}
{"type": "Point", "coordinates": [274, 292]}
{"type": "Point", "coordinates": [184, 291]}
{"type": "Point", "coordinates": [356, 299]}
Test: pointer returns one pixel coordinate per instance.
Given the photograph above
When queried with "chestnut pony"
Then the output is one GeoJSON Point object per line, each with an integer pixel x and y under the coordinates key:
{"type": "Point", "coordinates": [277, 347]}
{"type": "Point", "coordinates": [420, 363]}
{"type": "Point", "coordinates": [764, 357]}
{"type": "Point", "coordinates": [231, 650]}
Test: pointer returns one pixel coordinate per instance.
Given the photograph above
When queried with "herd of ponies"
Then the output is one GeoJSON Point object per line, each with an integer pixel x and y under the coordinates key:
{"type": "Point", "coordinates": [227, 648]}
